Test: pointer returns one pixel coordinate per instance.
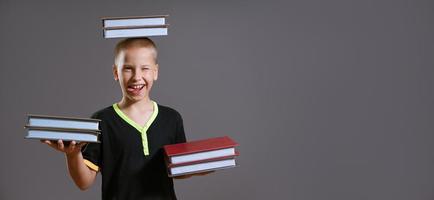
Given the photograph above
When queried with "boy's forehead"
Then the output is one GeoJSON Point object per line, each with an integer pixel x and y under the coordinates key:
{"type": "Point", "coordinates": [138, 53]}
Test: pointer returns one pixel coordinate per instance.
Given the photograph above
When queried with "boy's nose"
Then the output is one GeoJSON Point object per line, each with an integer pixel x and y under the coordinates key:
{"type": "Point", "coordinates": [137, 75]}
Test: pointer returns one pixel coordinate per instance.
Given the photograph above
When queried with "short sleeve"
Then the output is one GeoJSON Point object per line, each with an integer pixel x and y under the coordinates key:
{"type": "Point", "coordinates": [180, 134]}
{"type": "Point", "coordinates": [92, 151]}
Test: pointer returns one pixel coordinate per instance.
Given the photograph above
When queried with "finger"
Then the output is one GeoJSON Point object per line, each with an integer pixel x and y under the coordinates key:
{"type": "Point", "coordinates": [183, 176]}
{"type": "Point", "coordinates": [50, 143]}
{"type": "Point", "coordinates": [46, 142]}
{"type": "Point", "coordinates": [60, 145]}
{"type": "Point", "coordinates": [81, 144]}
{"type": "Point", "coordinates": [69, 146]}
{"type": "Point", "coordinates": [205, 173]}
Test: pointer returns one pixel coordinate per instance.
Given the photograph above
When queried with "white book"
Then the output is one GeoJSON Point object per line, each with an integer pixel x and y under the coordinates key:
{"type": "Point", "coordinates": [59, 134]}
{"type": "Point", "coordinates": [63, 122]}
{"type": "Point", "coordinates": [113, 22]}
{"type": "Point", "coordinates": [135, 32]}
{"type": "Point", "coordinates": [202, 167]}
{"type": "Point", "coordinates": [202, 155]}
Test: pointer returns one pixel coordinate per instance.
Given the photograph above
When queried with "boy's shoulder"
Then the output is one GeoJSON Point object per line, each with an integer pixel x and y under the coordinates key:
{"type": "Point", "coordinates": [102, 113]}
{"type": "Point", "coordinates": [167, 111]}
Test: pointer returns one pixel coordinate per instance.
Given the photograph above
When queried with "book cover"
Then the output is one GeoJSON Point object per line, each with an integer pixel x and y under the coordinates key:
{"type": "Point", "coordinates": [199, 146]}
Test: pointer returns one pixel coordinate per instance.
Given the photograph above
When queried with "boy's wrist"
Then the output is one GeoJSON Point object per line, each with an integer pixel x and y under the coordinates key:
{"type": "Point", "coordinates": [72, 155]}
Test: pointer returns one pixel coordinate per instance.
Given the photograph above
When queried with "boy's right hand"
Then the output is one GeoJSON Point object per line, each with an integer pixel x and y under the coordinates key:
{"type": "Point", "coordinates": [72, 149]}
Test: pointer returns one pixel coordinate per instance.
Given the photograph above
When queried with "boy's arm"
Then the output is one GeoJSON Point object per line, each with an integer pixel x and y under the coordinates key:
{"type": "Point", "coordinates": [82, 175]}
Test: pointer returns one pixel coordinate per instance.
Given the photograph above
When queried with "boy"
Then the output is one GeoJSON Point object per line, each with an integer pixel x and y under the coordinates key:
{"type": "Point", "coordinates": [133, 132]}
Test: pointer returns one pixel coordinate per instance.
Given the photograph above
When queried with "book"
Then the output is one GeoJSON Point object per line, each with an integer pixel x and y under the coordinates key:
{"type": "Point", "coordinates": [201, 167]}
{"type": "Point", "coordinates": [45, 127]}
{"type": "Point", "coordinates": [200, 150]}
{"type": "Point", "coordinates": [47, 133]}
{"type": "Point", "coordinates": [135, 31]}
{"type": "Point", "coordinates": [62, 122]}
{"type": "Point", "coordinates": [137, 26]}
{"type": "Point", "coordinates": [113, 22]}
{"type": "Point", "coordinates": [170, 165]}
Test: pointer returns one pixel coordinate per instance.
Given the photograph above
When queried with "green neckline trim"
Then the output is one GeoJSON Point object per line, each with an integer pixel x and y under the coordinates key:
{"type": "Point", "coordinates": [142, 129]}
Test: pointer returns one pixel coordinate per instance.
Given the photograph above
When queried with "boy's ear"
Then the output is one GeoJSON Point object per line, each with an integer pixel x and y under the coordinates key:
{"type": "Point", "coordinates": [115, 73]}
{"type": "Point", "coordinates": [156, 72]}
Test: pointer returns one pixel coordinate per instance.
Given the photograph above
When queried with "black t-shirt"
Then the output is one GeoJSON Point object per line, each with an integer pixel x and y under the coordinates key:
{"type": "Point", "coordinates": [130, 157]}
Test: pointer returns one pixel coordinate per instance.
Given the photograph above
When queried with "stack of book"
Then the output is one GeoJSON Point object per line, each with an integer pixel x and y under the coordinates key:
{"type": "Point", "coordinates": [200, 156]}
{"type": "Point", "coordinates": [45, 127]}
{"type": "Point", "coordinates": [138, 26]}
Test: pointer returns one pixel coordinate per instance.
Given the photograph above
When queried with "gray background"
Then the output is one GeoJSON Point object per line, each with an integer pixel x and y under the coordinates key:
{"type": "Point", "coordinates": [328, 99]}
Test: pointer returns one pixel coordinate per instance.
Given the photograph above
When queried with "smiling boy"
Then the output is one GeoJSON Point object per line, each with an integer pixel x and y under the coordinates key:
{"type": "Point", "coordinates": [133, 132]}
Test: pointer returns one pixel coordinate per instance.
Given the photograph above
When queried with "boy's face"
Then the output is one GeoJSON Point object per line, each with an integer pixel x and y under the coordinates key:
{"type": "Point", "coordinates": [136, 71]}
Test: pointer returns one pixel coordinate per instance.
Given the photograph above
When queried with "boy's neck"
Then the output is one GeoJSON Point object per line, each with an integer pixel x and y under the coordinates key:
{"type": "Point", "coordinates": [142, 105]}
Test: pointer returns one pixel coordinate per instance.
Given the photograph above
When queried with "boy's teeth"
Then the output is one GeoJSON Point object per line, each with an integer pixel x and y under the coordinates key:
{"type": "Point", "coordinates": [137, 86]}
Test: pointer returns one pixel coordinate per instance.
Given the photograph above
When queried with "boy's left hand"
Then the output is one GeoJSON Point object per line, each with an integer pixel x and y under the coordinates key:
{"type": "Point", "coordinates": [196, 174]}
{"type": "Point", "coordinates": [203, 173]}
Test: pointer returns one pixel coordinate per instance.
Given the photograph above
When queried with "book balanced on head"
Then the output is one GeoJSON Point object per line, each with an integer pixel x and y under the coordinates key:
{"type": "Point", "coordinates": [137, 26]}
{"type": "Point", "coordinates": [45, 127]}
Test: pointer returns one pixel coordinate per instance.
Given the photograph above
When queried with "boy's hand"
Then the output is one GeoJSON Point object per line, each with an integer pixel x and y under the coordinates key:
{"type": "Point", "coordinates": [203, 173]}
{"type": "Point", "coordinates": [72, 149]}
{"type": "Point", "coordinates": [190, 175]}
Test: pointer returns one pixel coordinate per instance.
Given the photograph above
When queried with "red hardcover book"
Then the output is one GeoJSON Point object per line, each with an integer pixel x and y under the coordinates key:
{"type": "Point", "coordinates": [200, 149]}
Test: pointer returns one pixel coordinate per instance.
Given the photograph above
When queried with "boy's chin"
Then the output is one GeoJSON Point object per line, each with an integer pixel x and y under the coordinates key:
{"type": "Point", "coordinates": [136, 98]}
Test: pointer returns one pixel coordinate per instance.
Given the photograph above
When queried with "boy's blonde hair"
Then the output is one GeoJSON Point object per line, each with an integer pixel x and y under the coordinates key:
{"type": "Point", "coordinates": [142, 42]}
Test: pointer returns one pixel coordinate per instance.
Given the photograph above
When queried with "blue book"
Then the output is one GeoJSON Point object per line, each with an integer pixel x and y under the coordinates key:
{"type": "Point", "coordinates": [135, 26]}
{"type": "Point", "coordinates": [47, 133]}
{"type": "Point", "coordinates": [115, 22]}
{"type": "Point", "coordinates": [62, 122]}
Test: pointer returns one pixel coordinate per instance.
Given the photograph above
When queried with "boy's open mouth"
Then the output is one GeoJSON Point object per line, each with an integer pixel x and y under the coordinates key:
{"type": "Point", "coordinates": [136, 88]}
